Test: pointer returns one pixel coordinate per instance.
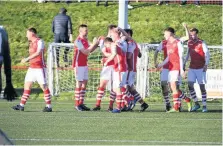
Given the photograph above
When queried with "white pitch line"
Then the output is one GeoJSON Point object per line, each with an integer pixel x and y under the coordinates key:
{"type": "Point", "coordinates": [123, 118]}
{"type": "Point", "coordinates": [121, 141]}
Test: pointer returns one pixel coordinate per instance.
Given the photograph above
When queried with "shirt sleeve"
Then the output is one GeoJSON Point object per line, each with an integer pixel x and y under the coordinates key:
{"type": "Point", "coordinates": [160, 47]}
{"type": "Point", "coordinates": [79, 44]}
{"type": "Point", "coordinates": [206, 52]}
{"type": "Point", "coordinates": [180, 52]}
{"type": "Point", "coordinates": [40, 45]}
{"type": "Point", "coordinates": [131, 47]}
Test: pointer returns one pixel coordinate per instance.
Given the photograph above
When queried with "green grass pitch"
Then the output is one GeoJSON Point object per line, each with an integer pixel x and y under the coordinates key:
{"type": "Point", "coordinates": [68, 126]}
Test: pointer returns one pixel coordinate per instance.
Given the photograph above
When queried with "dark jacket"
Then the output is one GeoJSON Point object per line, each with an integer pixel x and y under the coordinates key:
{"type": "Point", "coordinates": [62, 24]}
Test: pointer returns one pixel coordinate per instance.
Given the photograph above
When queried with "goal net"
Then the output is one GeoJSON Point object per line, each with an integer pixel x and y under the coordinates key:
{"type": "Point", "coordinates": [61, 77]}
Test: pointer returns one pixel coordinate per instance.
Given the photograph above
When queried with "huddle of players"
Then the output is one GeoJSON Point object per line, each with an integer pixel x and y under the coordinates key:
{"type": "Point", "coordinates": [119, 60]}
{"type": "Point", "coordinates": [173, 68]}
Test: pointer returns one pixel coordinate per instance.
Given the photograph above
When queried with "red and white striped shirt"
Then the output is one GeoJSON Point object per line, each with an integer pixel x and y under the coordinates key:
{"type": "Point", "coordinates": [38, 61]}
{"type": "Point", "coordinates": [199, 54]}
{"type": "Point", "coordinates": [80, 59]}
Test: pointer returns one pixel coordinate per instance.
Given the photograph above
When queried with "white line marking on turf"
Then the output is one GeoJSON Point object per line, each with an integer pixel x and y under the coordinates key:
{"type": "Point", "coordinates": [112, 117]}
{"type": "Point", "coordinates": [121, 141]}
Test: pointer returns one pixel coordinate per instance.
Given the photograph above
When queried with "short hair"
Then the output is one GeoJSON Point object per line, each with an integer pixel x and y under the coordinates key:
{"type": "Point", "coordinates": [194, 29]}
{"type": "Point", "coordinates": [82, 26]}
{"type": "Point", "coordinates": [129, 31]}
{"type": "Point", "coordinates": [111, 26]}
{"type": "Point", "coordinates": [33, 30]}
{"type": "Point", "coordinates": [63, 10]}
{"type": "Point", "coordinates": [170, 29]}
{"type": "Point", "coordinates": [108, 40]}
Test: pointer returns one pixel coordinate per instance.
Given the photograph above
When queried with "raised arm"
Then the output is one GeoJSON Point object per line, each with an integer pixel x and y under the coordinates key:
{"type": "Point", "coordinates": [158, 49]}
{"type": "Point", "coordinates": [187, 36]}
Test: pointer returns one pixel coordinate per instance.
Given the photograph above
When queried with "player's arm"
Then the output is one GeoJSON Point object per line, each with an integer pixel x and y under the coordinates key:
{"type": "Point", "coordinates": [159, 48]}
{"type": "Point", "coordinates": [130, 50]}
{"type": "Point", "coordinates": [53, 28]}
{"type": "Point", "coordinates": [70, 31]}
{"type": "Point", "coordinates": [187, 36]}
{"type": "Point", "coordinates": [180, 52]}
{"type": "Point", "coordinates": [207, 55]}
{"type": "Point", "coordinates": [163, 63]}
{"type": "Point", "coordinates": [113, 54]}
{"type": "Point", "coordinates": [40, 48]}
{"type": "Point", "coordinates": [186, 58]}
{"type": "Point", "coordinates": [87, 51]}
{"type": "Point", "coordinates": [125, 34]}
{"type": "Point", "coordinates": [104, 53]}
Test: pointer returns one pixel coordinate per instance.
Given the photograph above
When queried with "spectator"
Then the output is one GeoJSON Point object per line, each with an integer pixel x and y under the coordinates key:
{"type": "Point", "coordinates": [62, 29]}
{"type": "Point", "coordinates": [161, 2]}
{"type": "Point", "coordinates": [196, 2]}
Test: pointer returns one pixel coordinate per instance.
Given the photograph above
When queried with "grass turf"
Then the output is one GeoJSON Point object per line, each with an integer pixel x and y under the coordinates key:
{"type": "Point", "coordinates": [67, 126]}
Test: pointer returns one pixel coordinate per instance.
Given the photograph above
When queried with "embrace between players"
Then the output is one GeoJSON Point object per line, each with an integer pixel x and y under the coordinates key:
{"type": "Point", "coordinates": [120, 53]}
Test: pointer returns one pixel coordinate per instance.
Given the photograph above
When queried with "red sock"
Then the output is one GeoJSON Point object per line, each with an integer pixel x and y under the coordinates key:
{"type": "Point", "coordinates": [176, 104]}
{"type": "Point", "coordinates": [112, 99]}
{"type": "Point", "coordinates": [118, 101]}
{"type": "Point", "coordinates": [99, 96]}
{"type": "Point", "coordinates": [82, 94]}
{"type": "Point", "coordinates": [77, 96]}
{"type": "Point", "coordinates": [47, 96]}
{"type": "Point", "coordinates": [25, 97]}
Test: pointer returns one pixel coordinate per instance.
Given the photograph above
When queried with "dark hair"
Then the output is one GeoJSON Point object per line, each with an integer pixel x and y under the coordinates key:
{"type": "Point", "coordinates": [82, 25]}
{"type": "Point", "coordinates": [194, 29]}
{"type": "Point", "coordinates": [170, 29]}
{"type": "Point", "coordinates": [108, 40]}
{"type": "Point", "coordinates": [129, 31]}
{"type": "Point", "coordinates": [111, 26]}
{"type": "Point", "coordinates": [63, 10]}
{"type": "Point", "coordinates": [33, 30]}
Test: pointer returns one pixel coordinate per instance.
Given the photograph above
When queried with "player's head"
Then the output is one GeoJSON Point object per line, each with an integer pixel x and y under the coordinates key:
{"type": "Point", "coordinates": [194, 32]}
{"type": "Point", "coordinates": [129, 32]}
{"type": "Point", "coordinates": [115, 33]}
{"type": "Point", "coordinates": [169, 32]}
{"type": "Point", "coordinates": [110, 27]}
{"type": "Point", "coordinates": [107, 42]}
{"type": "Point", "coordinates": [83, 30]}
{"type": "Point", "coordinates": [31, 32]}
{"type": "Point", "coordinates": [63, 11]}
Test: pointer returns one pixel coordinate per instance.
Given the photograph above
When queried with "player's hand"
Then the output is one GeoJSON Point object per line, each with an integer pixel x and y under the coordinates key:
{"type": "Point", "coordinates": [24, 60]}
{"type": "Point", "coordinates": [184, 24]}
{"type": "Point", "coordinates": [183, 74]}
{"type": "Point", "coordinates": [156, 65]}
{"type": "Point", "coordinates": [71, 38]}
{"type": "Point", "coordinates": [105, 64]}
{"type": "Point", "coordinates": [205, 68]}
